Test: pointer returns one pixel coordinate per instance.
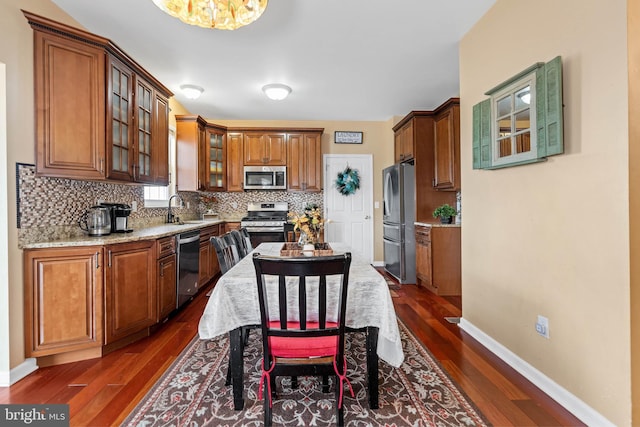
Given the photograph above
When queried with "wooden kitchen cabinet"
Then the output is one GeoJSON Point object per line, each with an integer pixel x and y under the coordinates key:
{"type": "Point", "coordinates": [137, 127]}
{"type": "Point", "coordinates": [63, 300]}
{"type": "Point", "coordinates": [130, 289]}
{"type": "Point", "coordinates": [265, 148]}
{"type": "Point", "coordinates": [167, 276]}
{"type": "Point", "coordinates": [423, 257]}
{"type": "Point", "coordinates": [209, 266]}
{"type": "Point", "coordinates": [447, 146]}
{"type": "Point", "coordinates": [418, 130]}
{"type": "Point", "coordinates": [190, 138]}
{"type": "Point", "coordinates": [213, 159]}
{"type": "Point", "coordinates": [69, 78]}
{"type": "Point", "coordinates": [98, 113]}
{"type": "Point", "coordinates": [438, 266]}
{"type": "Point", "coordinates": [235, 161]}
{"type": "Point", "coordinates": [228, 226]}
{"type": "Point", "coordinates": [304, 162]}
{"type": "Point", "coordinates": [403, 142]}
{"type": "Point", "coordinates": [201, 155]}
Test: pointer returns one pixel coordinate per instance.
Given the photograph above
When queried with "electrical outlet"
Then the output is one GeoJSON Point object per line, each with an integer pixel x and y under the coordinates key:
{"type": "Point", "coordinates": [542, 326]}
{"type": "Point", "coordinates": [188, 205]}
{"type": "Point", "coordinates": [376, 205]}
{"type": "Point", "coordinates": [134, 206]}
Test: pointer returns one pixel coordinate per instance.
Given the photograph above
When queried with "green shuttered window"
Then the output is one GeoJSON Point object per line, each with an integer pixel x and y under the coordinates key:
{"type": "Point", "coordinates": [521, 122]}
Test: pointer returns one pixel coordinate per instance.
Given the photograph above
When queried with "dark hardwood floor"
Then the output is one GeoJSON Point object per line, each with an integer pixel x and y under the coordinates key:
{"type": "Point", "coordinates": [102, 392]}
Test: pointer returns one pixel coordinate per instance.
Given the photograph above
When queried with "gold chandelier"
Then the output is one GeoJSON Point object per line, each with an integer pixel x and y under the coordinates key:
{"type": "Point", "coordinates": [220, 14]}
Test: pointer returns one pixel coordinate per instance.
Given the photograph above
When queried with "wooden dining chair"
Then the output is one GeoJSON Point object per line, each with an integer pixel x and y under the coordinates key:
{"type": "Point", "coordinates": [227, 257]}
{"type": "Point", "coordinates": [243, 242]}
{"type": "Point", "coordinates": [313, 343]}
{"type": "Point", "coordinates": [224, 252]}
{"type": "Point", "coordinates": [247, 239]}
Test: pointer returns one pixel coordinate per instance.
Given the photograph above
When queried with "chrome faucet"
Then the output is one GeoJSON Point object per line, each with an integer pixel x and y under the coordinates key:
{"type": "Point", "coordinates": [170, 216]}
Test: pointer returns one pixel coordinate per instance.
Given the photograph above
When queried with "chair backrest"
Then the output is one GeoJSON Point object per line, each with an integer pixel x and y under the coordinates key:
{"type": "Point", "coordinates": [321, 301]}
{"type": "Point", "coordinates": [241, 244]}
{"type": "Point", "coordinates": [247, 239]}
{"type": "Point", "coordinates": [226, 253]}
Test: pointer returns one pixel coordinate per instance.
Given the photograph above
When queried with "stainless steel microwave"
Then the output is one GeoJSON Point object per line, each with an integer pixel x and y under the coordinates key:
{"type": "Point", "coordinates": [265, 177]}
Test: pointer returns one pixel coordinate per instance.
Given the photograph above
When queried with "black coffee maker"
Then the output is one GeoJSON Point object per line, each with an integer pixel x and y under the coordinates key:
{"type": "Point", "coordinates": [119, 217]}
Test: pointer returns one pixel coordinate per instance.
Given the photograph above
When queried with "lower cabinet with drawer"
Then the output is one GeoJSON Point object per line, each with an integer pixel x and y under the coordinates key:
{"type": "Point", "coordinates": [166, 273]}
{"type": "Point", "coordinates": [438, 265]}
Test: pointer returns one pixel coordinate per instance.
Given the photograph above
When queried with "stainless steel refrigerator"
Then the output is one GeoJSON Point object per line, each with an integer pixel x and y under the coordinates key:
{"type": "Point", "coordinates": [399, 213]}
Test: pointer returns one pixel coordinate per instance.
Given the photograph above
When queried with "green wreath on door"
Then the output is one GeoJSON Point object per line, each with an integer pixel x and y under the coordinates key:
{"type": "Point", "coordinates": [348, 181]}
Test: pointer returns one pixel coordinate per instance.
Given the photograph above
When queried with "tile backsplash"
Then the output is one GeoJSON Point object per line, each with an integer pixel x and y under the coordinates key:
{"type": "Point", "coordinates": [50, 208]}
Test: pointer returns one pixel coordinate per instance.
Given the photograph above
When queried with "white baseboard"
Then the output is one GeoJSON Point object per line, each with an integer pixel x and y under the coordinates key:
{"type": "Point", "coordinates": [571, 403]}
{"type": "Point", "coordinates": [8, 378]}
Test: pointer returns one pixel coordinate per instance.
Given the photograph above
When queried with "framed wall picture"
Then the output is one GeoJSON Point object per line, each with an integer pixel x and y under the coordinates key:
{"type": "Point", "coordinates": [343, 137]}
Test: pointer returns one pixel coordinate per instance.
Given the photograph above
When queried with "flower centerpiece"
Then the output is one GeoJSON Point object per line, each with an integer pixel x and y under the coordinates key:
{"type": "Point", "coordinates": [310, 224]}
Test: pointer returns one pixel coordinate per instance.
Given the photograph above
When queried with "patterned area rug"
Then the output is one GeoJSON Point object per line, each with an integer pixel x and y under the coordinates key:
{"type": "Point", "coordinates": [192, 392]}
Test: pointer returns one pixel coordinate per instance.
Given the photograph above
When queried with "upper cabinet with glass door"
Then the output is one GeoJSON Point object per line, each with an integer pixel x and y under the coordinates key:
{"type": "Point", "coordinates": [100, 81]}
{"type": "Point", "coordinates": [214, 159]}
{"type": "Point", "coordinates": [522, 121]}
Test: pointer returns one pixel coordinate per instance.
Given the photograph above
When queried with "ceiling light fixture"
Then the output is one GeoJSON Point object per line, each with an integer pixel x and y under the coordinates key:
{"type": "Point", "coordinates": [191, 91]}
{"type": "Point", "coordinates": [217, 14]}
{"type": "Point", "coordinates": [525, 95]}
{"type": "Point", "coordinates": [276, 91]}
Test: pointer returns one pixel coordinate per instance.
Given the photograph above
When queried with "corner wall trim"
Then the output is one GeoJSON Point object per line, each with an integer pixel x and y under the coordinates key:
{"type": "Point", "coordinates": [569, 401]}
{"type": "Point", "coordinates": [8, 378]}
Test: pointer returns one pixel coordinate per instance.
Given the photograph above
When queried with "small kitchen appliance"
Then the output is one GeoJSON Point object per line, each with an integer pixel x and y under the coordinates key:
{"type": "Point", "coordinates": [119, 217]}
{"type": "Point", "coordinates": [265, 177]}
{"type": "Point", "coordinates": [96, 221]}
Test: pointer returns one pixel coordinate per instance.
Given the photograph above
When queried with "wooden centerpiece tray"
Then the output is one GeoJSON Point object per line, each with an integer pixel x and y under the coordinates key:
{"type": "Point", "coordinates": [296, 249]}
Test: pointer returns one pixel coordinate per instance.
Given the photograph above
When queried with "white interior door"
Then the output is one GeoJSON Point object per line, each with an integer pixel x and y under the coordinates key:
{"type": "Point", "coordinates": [350, 218]}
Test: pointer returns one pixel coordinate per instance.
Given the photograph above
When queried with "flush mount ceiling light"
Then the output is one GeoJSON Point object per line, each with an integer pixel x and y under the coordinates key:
{"type": "Point", "coordinates": [276, 91]}
{"type": "Point", "coordinates": [191, 91]}
{"type": "Point", "coordinates": [218, 14]}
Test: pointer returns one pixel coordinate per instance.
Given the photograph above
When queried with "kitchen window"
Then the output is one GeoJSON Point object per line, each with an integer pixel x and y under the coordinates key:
{"type": "Point", "coordinates": [156, 196]}
{"type": "Point", "coordinates": [521, 122]}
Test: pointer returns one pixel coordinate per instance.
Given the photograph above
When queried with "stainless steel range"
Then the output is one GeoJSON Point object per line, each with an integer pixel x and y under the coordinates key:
{"type": "Point", "coordinates": [265, 222]}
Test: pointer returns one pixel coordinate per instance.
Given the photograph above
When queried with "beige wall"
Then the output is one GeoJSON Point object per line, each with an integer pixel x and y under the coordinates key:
{"type": "Point", "coordinates": [16, 50]}
{"type": "Point", "coordinates": [377, 140]}
{"type": "Point", "coordinates": [633, 40]}
{"type": "Point", "coordinates": [553, 238]}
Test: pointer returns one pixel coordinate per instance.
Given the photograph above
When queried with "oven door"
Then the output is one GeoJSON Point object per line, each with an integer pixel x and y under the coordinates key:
{"type": "Point", "coordinates": [259, 235]}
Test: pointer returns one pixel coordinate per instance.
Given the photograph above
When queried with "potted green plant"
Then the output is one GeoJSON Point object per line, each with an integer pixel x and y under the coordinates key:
{"type": "Point", "coordinates": [445, 212]}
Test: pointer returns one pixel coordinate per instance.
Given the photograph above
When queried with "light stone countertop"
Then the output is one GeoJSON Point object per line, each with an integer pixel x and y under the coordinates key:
{"type": "Point", "coordinates": [436, 224]}
{"type": "Point", "coordinates": [149, 233]}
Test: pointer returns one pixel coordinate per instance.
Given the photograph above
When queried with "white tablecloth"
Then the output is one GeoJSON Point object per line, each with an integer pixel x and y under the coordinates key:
{"type": "Point", "coordinates": [234, 302]}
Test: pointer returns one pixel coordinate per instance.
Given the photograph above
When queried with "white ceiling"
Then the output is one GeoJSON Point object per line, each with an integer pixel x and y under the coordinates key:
{"type": "Point", "coordinates": [345, 59]}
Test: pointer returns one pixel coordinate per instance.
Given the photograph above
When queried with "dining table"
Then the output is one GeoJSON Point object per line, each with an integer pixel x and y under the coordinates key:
{"type": "Point", "coordinates": [233, 305]}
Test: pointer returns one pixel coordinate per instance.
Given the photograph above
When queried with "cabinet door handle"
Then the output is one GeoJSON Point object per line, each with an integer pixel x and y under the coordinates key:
{"type": "Point", "coordinates": [162, 269]}
{"type": "Point", "coordinates": [109, 258]}
{"type": "Point", "coordinates": [102, 165]}
{"type": "Point", "coordinates": [97, 260]}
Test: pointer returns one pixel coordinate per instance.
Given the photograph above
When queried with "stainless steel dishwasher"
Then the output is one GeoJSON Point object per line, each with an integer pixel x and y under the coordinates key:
{"type": "Point", "coordinates": [188, 266]}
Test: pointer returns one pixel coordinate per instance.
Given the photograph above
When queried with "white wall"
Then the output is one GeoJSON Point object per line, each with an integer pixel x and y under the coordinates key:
{"type": "Point", "coordinates": [553, 238]}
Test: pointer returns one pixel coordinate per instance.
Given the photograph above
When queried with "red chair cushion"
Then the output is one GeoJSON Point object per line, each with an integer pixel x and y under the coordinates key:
{"type": "Point", "coordinates": [303, 347]}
